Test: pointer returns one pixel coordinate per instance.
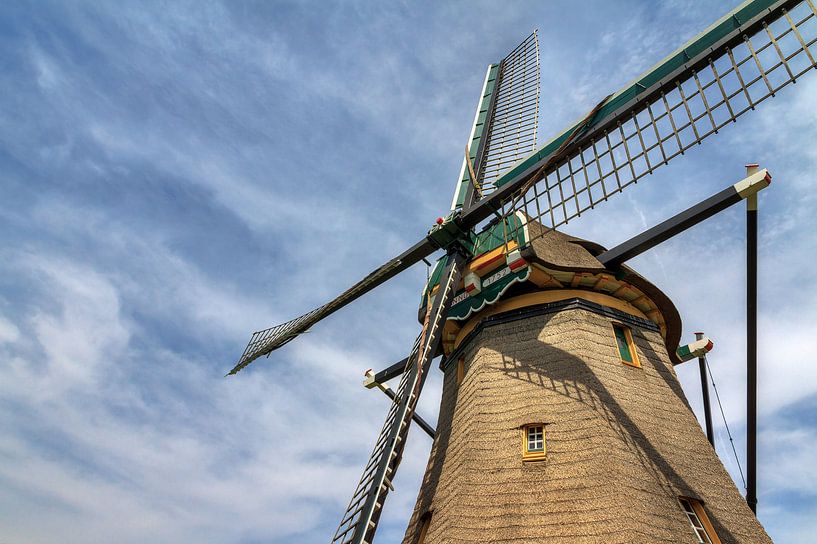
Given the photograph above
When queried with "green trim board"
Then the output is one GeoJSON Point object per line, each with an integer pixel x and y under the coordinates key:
{"type": "Point", "coordinates": [493, 287]}
{"type": "Point", "coordinates": [494, 284]}
{"type": "Point", "coordinates": [487, 240]}
{"type": "Point", "coordinates": [477, 133]}
{"type": "Point", "coordinates": [643, 84]}
{"type": "Point", "coordinates": [623, 343]}
{"type": "Point", "coordinates": [494, 236]}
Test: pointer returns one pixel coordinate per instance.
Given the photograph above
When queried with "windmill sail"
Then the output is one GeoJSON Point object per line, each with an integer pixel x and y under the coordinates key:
{"type": "Point", "coordinates": [359, 522]}
{"type": "Point", "coordinates": [740, 61]}
{"type": "Point", "coordinates": [265, 341]}
{"type": "Point", "coordinates": [506, 120]}
{"type": "Point", "coordinates": [504, 131]}
{"type": "Point", "coordinates": [512, 134]}
{"type": "Point", "coordinates": [268, 340]}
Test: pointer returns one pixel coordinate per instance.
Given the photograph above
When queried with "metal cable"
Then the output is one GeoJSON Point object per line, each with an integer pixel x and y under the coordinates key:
{"type": "Point", "coordinates": [728, 432]}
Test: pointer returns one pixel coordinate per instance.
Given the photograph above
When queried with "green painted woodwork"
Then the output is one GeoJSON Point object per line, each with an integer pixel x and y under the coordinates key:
{"type": "Point", "coordinates": [449, 231]}
{"type": "Point", "coordinates": [684, 353]}
{"type": "Point", "coordinates": [434, 279]}
{"type": "Point", "coordinates": [478, 130]}
{"type": "Point", "coordinates": [464, 306]}
{"type": "Point", "coordinates": [697, 45]}
{"type": "Point", "coordinates": [623, 344]}
{"type": "Point", "coordinates": [486, 241]}
{"type": "Point", "coordinates": [494, 237]}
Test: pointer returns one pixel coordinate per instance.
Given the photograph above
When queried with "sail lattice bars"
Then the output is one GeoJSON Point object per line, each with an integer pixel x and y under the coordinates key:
{"type": "Point", "coordinates": [265, 341]}
{"type": "Point", "coordinates": [743, 59]}
{"type": "Point", "coordinates": [512, 133]}
{"type": "Point", "coordinates": [506, 120]}
{"type": "Point", "coordinates": [354, 523]}
{"type": "Point", "coordinates": [359, 522]}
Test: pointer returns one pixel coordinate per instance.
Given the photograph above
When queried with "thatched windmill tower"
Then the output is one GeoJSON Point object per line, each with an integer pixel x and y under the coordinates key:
{"type": "Point", "coordinates": [562, 419]}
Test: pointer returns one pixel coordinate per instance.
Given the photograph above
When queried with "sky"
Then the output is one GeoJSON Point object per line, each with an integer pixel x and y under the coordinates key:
{"type": "Point", "coordinates": [174, 176]}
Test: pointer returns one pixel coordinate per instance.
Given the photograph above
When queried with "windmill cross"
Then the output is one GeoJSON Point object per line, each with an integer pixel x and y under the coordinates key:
{"type": "Point", "coordinates": [510, 194]}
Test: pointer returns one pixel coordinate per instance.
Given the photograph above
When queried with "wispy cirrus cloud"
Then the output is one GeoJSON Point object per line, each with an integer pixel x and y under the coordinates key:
{"type": "Point", "coordinates": [174, 177]}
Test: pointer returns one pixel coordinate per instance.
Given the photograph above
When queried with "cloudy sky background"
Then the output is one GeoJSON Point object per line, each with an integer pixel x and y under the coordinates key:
{"type": "Point", "coordinates": [175, 176]}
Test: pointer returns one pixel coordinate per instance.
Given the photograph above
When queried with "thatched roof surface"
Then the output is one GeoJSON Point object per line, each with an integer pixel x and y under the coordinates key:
{"type": "Point", "coordinates": [561, 251]}
{"type": "Point", "coordinates": [557, 251]}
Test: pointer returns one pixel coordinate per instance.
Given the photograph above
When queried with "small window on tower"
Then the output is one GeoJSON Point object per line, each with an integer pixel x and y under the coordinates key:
{"type": "Point", "coordinates": [697, 517]}
{"type": "Point", "coordinates": [460, 370]}
{"type": "Point", "coordinates": [626, 348]}
{"type": "Point", "coordinates": [533, 442]}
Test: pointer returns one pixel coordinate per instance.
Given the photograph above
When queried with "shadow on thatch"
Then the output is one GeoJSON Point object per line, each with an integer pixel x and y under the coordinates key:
{"type": "Point", "coordinates": [431, 478]}
{"type": "Point", "coordinates": [569, 376]}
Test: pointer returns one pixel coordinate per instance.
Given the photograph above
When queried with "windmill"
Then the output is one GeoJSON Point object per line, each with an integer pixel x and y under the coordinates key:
{"type": "Point", "coordinates": [499, 243]}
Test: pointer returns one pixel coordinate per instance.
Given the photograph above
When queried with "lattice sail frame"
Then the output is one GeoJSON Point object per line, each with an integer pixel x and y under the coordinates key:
{"type": "Point", "coordinates": [664, 125]}
{"type": "Point", "coordinates": [265, 341]}
{"type": "Point", "coordinates": [356, 510]}
{"type": "Point", "coordinates": [512, 132]}
{"type": "Point", "coordinates": [506, 120]}
{"type": "Point", "coordinates": [504, 127]}
{"type": "Point", "coordinates": [359, 522]}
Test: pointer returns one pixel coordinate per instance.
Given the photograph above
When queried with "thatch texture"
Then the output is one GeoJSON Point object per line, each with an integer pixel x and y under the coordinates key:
{"type": "Point", "coordinates": [559, 261]}
{"type": "Point", "coordinates": [555, 250]}
{"type": "Point", "coordinates": [622, 442]}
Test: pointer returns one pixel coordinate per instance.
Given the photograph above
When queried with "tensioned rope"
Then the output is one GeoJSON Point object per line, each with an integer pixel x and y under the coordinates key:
{"type": "Point", "coordinates": [728, 432]}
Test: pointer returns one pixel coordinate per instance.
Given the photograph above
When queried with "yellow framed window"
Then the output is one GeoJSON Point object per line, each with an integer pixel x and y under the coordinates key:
{"type": "Point", "coordinates": [460, 370]}
{"type": "Point", "coordinates": [697, 517]}
{"type": "Point", "coordinates": [533, 442]}
{"type": "Point", "coordinates": [625, 345]}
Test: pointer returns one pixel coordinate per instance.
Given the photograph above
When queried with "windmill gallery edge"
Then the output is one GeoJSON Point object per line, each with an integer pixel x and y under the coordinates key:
{"type": "Point", "coordinates": [558, 372]}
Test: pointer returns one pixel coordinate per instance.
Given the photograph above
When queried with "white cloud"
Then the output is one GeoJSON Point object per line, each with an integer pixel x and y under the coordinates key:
{"type": "Point", "coordinates": [122, 428]}
{"type": "Point", "coordinates": [49, 76]}
{"type": "Point", "coordinates": [220, 461]}
{"type": "Point", "coordinates": [87, 331]}
{"type": "Point", "coordinates": [793, 469]}
{"type": "Point", "coordinates": [8, 331]}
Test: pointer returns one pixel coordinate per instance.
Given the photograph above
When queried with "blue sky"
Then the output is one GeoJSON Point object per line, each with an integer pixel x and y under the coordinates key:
{"type": "Point", "coordinates": [175, 176]}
